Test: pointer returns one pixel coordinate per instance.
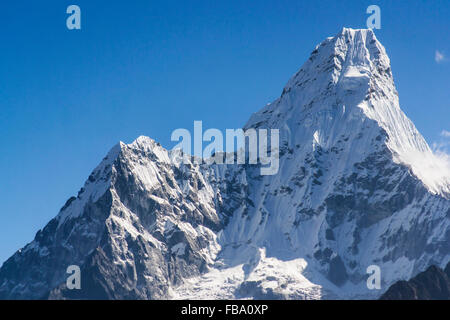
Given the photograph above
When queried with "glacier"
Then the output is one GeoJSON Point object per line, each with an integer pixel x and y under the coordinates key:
{"type": "Point", "coordinates": [357, 186]}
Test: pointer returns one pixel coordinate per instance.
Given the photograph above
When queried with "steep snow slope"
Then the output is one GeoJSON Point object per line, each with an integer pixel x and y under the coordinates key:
{"type": "Point", "coordinates": [357, 186]}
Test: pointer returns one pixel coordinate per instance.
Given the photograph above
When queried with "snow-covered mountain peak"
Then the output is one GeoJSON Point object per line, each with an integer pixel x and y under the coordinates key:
{"type": "Point", "coordinates": [148, 146]}
{"type": "Point", "coordinates": [144, 142]}
{"type": "Point", "coordinates": [342, 72]}
{"type": "Point", "coordinates": [351, 53]}
{"type": "Point", "coordinates": [352, 190]}
{"type": "Point", "coordinates": [144, 155]}
{"type": "Point", "coordinates": [347, 83]}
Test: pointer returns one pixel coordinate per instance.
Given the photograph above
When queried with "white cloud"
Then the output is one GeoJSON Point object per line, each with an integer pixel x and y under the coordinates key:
{"type": "Point", "coordinates": [445, 134]}
{"type": "Point", "coordinates": [441, 150]}
{"type": "Point", "coordinates": [439, 56]}
{"type": "Point", "coordinates": [442, 147]}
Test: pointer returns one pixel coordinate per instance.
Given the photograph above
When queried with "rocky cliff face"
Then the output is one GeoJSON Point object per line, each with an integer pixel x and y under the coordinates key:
{"type": "Point", "coordinates": [357, 185]}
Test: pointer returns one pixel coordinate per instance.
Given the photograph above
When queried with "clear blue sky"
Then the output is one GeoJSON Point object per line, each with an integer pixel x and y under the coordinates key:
{"type": "Point", "coordinates": [149, 67]}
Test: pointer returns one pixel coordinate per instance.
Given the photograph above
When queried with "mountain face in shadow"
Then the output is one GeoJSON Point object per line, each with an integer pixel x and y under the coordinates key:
{"type": "Point", "coordinates": [432, 284]}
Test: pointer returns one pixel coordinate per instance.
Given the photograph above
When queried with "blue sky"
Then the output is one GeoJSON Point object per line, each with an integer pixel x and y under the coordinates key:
{"type": "Point", "coordinates": [149, 67]}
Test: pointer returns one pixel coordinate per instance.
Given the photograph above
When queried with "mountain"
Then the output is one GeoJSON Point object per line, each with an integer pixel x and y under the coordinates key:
{"type": "Point", "coordinates": [357, 186]}
{"type": "Point", "coordinates": [432, 284]}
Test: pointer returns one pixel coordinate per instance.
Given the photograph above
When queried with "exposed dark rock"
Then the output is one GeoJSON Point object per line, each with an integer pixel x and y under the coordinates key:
{"type": "Point", "coordinates": [432, 284]}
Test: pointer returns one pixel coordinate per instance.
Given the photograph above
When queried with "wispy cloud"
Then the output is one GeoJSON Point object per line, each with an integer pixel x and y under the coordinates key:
{"type": "Point", "coordinates": [443, 145]}
{"type": "Point", "coordinates": [441, 149]}
{"type": "Point", "coordinates": [445, 134]}
{"type": "Point", "coordinates": [439, 56]}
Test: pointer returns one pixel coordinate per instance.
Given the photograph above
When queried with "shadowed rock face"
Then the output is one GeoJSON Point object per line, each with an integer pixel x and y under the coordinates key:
{"type": "Point", "coordinates": [145, 226]}
{"type": "Point", "coordinates": [432, 284]}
